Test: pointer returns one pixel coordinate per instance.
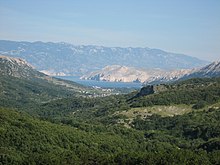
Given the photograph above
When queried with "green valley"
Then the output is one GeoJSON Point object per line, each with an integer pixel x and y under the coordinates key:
{"type": "Point", "coordinates": [44, 120]}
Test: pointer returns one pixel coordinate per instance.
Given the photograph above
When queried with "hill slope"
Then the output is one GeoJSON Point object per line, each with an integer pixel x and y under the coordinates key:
{"type": "Point", "coordinates": [208, 71]}
{"type": "Point", "coordinates": [20, 84]}
{"type": "Point", "coordinates": [27, 140]}
{"type": "Point", "coordinates": [211, 70]}
{"type": "Point", "coordinates": [192, 91]}
{"type": "Point", "coordinates": [17, 67]}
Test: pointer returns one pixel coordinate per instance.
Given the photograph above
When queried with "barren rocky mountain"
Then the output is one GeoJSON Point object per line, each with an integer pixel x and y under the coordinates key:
{"type": "Point", "coordinates": [208, 71]}
{"type": "Point", "coordinates": [17, 67]}
{"type": "Point", "coordinates": [119, 73]}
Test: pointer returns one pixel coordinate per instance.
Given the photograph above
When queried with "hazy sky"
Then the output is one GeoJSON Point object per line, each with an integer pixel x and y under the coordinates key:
{"type": "Point", "coordinates": [182, 26]}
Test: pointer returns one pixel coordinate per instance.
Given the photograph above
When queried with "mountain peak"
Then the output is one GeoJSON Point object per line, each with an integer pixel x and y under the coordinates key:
{"type": "Point", "coordinates": [13, 60]}
{"type": "Point", "coordinates": [17, 67]}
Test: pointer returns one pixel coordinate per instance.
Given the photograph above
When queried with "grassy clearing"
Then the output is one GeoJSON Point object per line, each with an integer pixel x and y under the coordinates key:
{"type": "Point", "coordinates": [164, 111]}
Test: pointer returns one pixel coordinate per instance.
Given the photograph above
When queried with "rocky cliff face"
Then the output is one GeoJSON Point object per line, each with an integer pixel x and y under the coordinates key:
{"type": "Point", "coordinates": [147, 90]}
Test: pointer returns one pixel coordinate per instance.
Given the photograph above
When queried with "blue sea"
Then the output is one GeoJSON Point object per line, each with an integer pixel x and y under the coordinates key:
{"type": "Point", "coordinates": [102, 84]}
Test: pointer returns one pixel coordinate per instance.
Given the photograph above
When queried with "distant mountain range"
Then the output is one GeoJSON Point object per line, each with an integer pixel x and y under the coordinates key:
{"type": "Point", "coordinates": [119, 73]}
{"type": "Point", "coordinates": [66, 59]}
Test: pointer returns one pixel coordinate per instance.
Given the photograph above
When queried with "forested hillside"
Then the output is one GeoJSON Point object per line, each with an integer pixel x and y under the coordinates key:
{"type": "Point", "coordinates": [27, 140]}
{"type": "Point", "coordinates": [47, 122]}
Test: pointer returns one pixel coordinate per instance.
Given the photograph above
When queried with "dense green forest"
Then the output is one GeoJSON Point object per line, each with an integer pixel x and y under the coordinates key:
{"type": "Point", "coordinates": [59, 126]}
{"type": "Point", "coordinates": [28, 140]}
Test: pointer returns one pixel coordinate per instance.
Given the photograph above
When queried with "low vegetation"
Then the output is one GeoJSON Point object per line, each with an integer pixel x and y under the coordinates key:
{"type": "Point", "coordinates": [199, 92]}
{"type": "Point", "coordinates": [178, 125]}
